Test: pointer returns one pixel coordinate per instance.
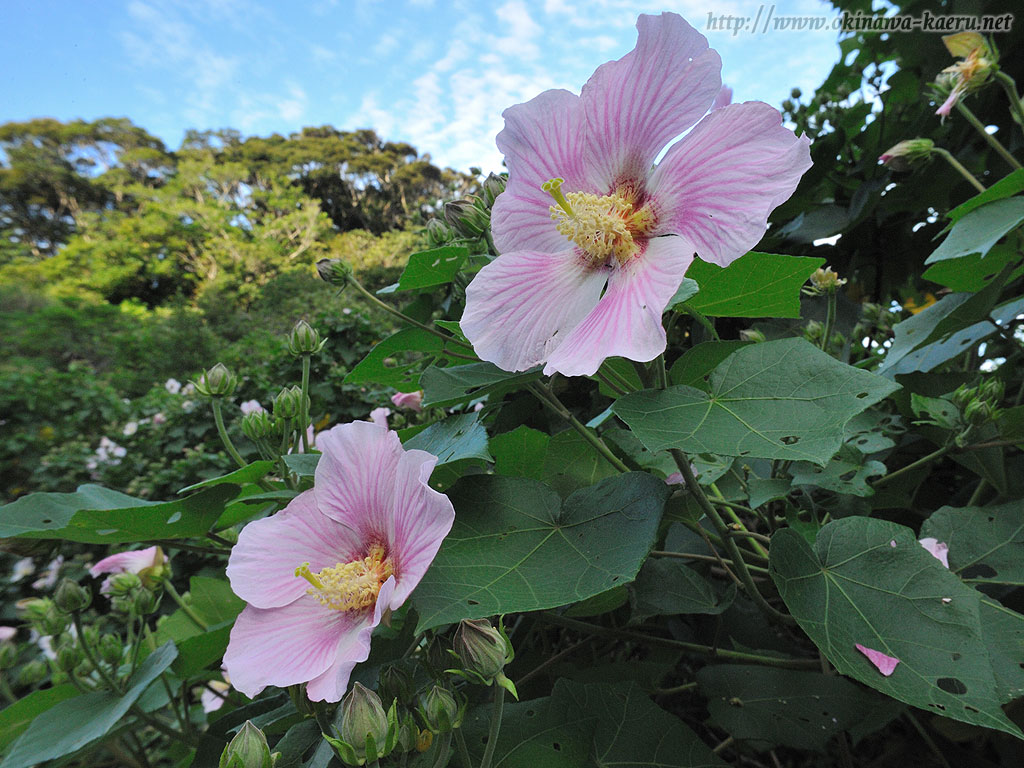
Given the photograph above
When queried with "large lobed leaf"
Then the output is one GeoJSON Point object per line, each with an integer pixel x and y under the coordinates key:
{"type": "Point", "coordinates": [515, 546]}
{"type": "Point", "coordinates": [986, 544]}
{"type": "Point", "coordinates": [777, 400]}
{"type": "Point", "coordinates": [870, 582]}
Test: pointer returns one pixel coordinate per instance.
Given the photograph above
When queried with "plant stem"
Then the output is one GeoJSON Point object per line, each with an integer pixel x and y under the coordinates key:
{"type": "Point", "coordinates": [443, 745]}
{"type": "Point", "coordinates": [185, 607]}
{"type": "Point", "coordinates": [718, 653]}
{"type": "Point", "coordinates": [992, 140]}
{"type": "Point", "coordinates": [218, 417]}
{"type": "Point", "coordinates": [830, 320]}
{"type": "Point", "coordinates": [683, 462]}
{"type": "Point", "coordinates": [304, 417]}
{"type": "Point", "coordinates": [978, 490]}
{"type": "Point", "coordinates": [1011, 91]}
{"type": "Point", "coordinates": [460, 743]}
{"type": "Point", "coordinates": [610, 384]}
{"type": "Point", "coordinates": [551, 401]}
{"type": "Point", "coordinates": [675, 689]}
{"type": "Point", "coordinates": [923, 461]}
{"type": "Point", "coordinates": [706, 558]}
{"type": "Point", "coordinates": [960, 169]}
{"type": "Point", "coordinates": [495, 729]}
{"type": "Point", "coordinates": [619, 379]}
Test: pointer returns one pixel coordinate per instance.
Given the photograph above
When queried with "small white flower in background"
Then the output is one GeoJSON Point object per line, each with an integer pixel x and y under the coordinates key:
{"type": "Point", "coordinates": [130, 428]}
{"type": "Point", "coordinates": [346, 311]}
{"type": "Point", "coordinates": [159, 418]}
{"type": "Point", "coordinates": [24, 567]}
{"type": "Point", "coordinates": [7, 633]}
{"type": "Point", "coordinates": [49, 577]}
{"type": "Point", "coordinates": [251, 406]}
{"type": "Point", "coordinates": [173, 386]}
{"type": "Point", "coordinates": [186, 406]}
{"type": "Point", "coordinates": [379, 416]}
{"type": "Point", "coordinates": [188, 389]}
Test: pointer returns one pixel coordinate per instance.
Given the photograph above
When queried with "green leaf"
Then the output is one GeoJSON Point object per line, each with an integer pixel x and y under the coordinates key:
{"type": "Point", "coordinates": [868, 432]}
{"type": "Point", "coordinates": [217, 606]}
{"type": "Point", "coordinates": [1011, 423]}
{"type": "Point", "coordinates": [515, 546]}
{"type": "Point", "coordinates": [15, 718]}
{"type": "Point", "coordinates": [763, 490]}
{"type": "Point", "coordinates": [391, 364]}
{"type": "Point", "coordinates": [520, 453]}
{"type": "Point", "coordinates": [302, 464]}
{"type": "Point", "coordinates": [755, 285]}
{"type": "Point", "coordinates": [687, 290]}
{"type": "Point", "coordinates": [847, 473]}
{"type": "Point", "coordinates": [986, 544]}
{"type": "Point", "coordinates": [571, 463]}
{"type": "Point", "coordinates": [776, 400]}
{"type": "Point", "coordinates": [972, 273]}
{"type": "Point", "coordinates": [1005, 187]}
{"type": "Point", "coordinates": [98, 515]}
{"type": "Point", "coordinates": [667, 587]}
{"type": "Point", "coordinates": [695, 365]}
{"type": "Point", "coordinates": [457, 437]}
{"type": "Point", "coordinates": [437, 266]}
{"type": "Point", "coordinates": [980, 229]}
{"type": "Point", "coordinates": [241, 476]}
{"type": "Point", "coordinates": [784, 707]}
{"type": "Point", "coordinates": [74, 723]}
{"type": "Point", "coordinates": [870, 582]}
{"type": "Point", "coordinates": [457, 384]}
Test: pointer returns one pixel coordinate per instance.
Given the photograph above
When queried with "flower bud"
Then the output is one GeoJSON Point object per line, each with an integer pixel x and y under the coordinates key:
{"type": "Point", "coordinates": [395, 684]}
{"type": "Point", "coordinates": [796, 93]}
{"type": "Point", "coordinates": [304, 340]}
{"type": "Point", "coordinates": [258, 425]}
{"type": "Point", "coordinates": [962, 396]}
{"type": "Point", "coordinates": [363, 720]}
{"type": "Point", "coordinates": [494, 185]}
{"type": "Point", "coordinates": [71, 597]}
{"type": "Point", "coordinates": [248, 749]}
{"type": "Point", "coordinates": [466, 218]}
{"type": "Point", "coordinates": [408, 735]}
{"type": "Point", "coordinates": [906, 154]}
{"type": "Point", "coordinates": [121, 584]}
{"type": "Point", "coordinates": [68, 656]}
{"type": "Point", "coordinates": [483, 650]}
{"type": "Point", "coordinates": [978, 412]}
{"type": "Point", "coordinates": [438, 233]}
{"type": "Point", "coordinates": [145, 602]}
{"type": "Point", "coordinates": [53, 623]}
{"type": "Point", "coordinates": [440, 711]}
{"type": "Point", "coordinates": [217, 382]}
{"type": "Point", "coordinates": [991, 390]}
{"type": "Point", "coordinates": [110, 649]}
{"type": "Point", "coordinates": [35, 609]}
{"type": "Point", "coordinates": [962, 44]}
{"type": "Point", "coordinates": [334, 271]}
{"type": "Point", "coordinates": [288, 403]}
{"type": "Point", "coordinates": [32, 673]}
{"type": "Point", "coordinates": [752, 334]}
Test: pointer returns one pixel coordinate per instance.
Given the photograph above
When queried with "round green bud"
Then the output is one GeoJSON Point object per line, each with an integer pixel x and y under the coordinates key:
{"type": "Point", "coordinates": [248, 749]}
{"type": "Point", "coordinates": [796, 93]}
{"type": "Point", "coordinates": [962, 396]}
{"type": "Point", "coordinates": [32, 673]}
{"type": "Point", "coordinates": [907, 153]}
{"type": "Point", "coordinates": [395, 684]}
{"type": "Point", "coordinates": [494, 185]}
{"type": "Point", "coordinates": [439, 710]}
{"type": "Point", "coordinates": [68, 656]}
{"type": "Point", "coordinates": [36, 608]}
{"type": "Point", "coordinates": [466, 218]}
{"type": "Point", "coordinates": [145, 602]}
{"type": "Point", "coordinates": [438, 233]}
{"type": "Point", "coordinates": [362, 716]}
{"type": "Point", "coordinates": [978, 412]}
{"type": "Point", "coordinates": [258, 425]}
{"type": "Point", "coordinates": [334, 271]}
{"type": "Point", "coordinates": [482, 648]}
{"type": "Point", "coordinates": [121, 584]}
{"type": "Point", "coordinates": [111, 649]}
{"type": "Point", "coordinates": [991, 390]}
{"type": "Point", "coordinates": [217, 382]}
{"type": "Point", "coordinates": [288, 403]}
{"type": "Point", "coordinates": [71, 597]}
{"type": "Point", "coordinates": [53, 623]}
{"type": "Point", "coordinates": [304, 340]}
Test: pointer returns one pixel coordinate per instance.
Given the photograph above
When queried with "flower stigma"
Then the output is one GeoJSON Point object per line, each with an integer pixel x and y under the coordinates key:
{"type": "Point", "coordinates": [349, 586]}
{"type": "Point", "coordinates": [603, 226]}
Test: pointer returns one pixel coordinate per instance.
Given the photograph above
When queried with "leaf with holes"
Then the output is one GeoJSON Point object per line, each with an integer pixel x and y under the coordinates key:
{"type": "Point", "coordinates": [848, 473]}
{"type": "Point", "coordinates": [755, 285]}
{"type": "Point", "coordinates": [515, 546]}
{"type": "Point", "coordinates": [776, 400]}
{"type": "Point", "coordinates": [97, 515]}
{"type": "Point", "coordinates": [986, 544]}
{"type": "Point", "coordinates": [785, 707]}
{"type": "Point", "coordinates": [870, 583]}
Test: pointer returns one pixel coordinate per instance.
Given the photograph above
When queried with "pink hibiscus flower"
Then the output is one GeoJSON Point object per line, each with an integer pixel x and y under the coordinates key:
{"type": "Point", "coordinates": [594, 238]}
{"type": "Point", "coordinates": [147, 563]}
{"type": "Point", "coordinates": [319, 575]}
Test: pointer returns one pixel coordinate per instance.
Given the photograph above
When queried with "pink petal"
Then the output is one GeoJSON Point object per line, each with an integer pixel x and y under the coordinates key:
{"type": "Point", "coordinates": [948, 104]}
{"type": "Point", "coordinates": [353, 648]}
{"type": "Point", "coordinates": [885, 664]}
{"type": "Point", "coordinates": [411, 400]}
{"type": "Point", "coordinates": [627, 319]}
{"type": "Point", "coordinates": [723, 99]}
{"type": "Point", "coordinates": [287, 645]}
{"type": "Point", "coordinates": [717, 185]}
{"type": "Point", "coordinates": [523, 303]}
{"type": "Point", "coordinates": [262, 564]}
{"type": "Point", "coordinates": [676, 478]}
{"type": "Point", "coordinates": [636, 105]}
{"type": "Point", "coordinates": [543, 139]}
{"type": "Point", "coordinates": [352, 481]}
{"type": "Point", "coordinates": [7, 633]}
{"type": "Point", "coordinates": [937, 549]}
{"type": "Point", "coordinates": [423, 517]}
{"type": "Point", "coordinates": [128, 562]}
{"type": "Point", "coordinates": [379, 416]}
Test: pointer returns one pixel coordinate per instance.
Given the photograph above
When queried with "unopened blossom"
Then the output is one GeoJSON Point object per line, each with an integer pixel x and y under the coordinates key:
{"type": "Point", "coordinates": [322, 573]}
{"type": "Point", "coordinates": [594, 237]}
{"type": "Point", "coordinates": [149, 564]}
{"type": "Point", "coordinates": [970, 73]}
{"type": "Point", "coordinates": [411, 400]}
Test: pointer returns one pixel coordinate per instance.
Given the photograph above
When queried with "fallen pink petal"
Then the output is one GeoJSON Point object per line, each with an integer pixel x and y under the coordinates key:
{"type": "Point", "coordinates": [937, 549]}
{"type": "Point", "coordinates": [885, 664]}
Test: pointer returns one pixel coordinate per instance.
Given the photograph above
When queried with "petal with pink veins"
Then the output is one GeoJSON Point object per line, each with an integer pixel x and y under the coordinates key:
{"type": "Point", "coordinates": [347, 482]}
{"type": "Point", "coordinates": [287, 645]}
{"type": "Point", "coordinates": [723, 99]}
{"type": "Point", "coordinates": [717, 185]}
{"type": "Point", "coordinates": [884, 663]}
{"type": "Point", "coordinates": [638, 104]}
{"type": "Point", "coordinates": [520, 306]}
{"type": "Point", "coordinates": [263, 562]}
{"type": "Point", "coordinates": [627, 319]}
{"type": "Point", "coordinates": [937, 549]}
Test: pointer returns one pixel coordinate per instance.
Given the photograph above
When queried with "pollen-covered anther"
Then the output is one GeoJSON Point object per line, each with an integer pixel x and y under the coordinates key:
{"type": "Point", "coordinates": [349, 586]}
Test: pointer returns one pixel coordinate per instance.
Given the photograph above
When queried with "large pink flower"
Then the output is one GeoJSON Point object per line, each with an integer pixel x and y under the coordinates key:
{"type": "Point", "coordinates": [594, 238]}
{"type": "Point", "coordinates": [319, 575]}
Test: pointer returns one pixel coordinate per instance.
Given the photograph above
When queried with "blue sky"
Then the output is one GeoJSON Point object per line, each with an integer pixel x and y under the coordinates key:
{"type": "Point", "coordinates": [435, 73]}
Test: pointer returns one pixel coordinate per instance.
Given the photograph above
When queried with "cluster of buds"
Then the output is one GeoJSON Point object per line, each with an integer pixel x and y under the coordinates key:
{"type": "Point", "coordinates": [129, 595]}
{"type": "Point", "coordinates": [248, 749]}
{"type": "Point", "coordinates": [979, 405]}
{"type": "Point", "coordinates": [367, 732]}
{"type": "Point", "coordinates": [259, 425]}
{"type": "Point", "coordinates": [44, 617]}
{"type": "Point", "coordinates": [978, 59]}
{"type": "Point", "coordinates": [71, 597]}
{"type": "Point", "coordinates": [468, 218]}
{"type": "Point", "coordinates": [484, 651]}
{"type": "Point", "coordinates": [824, 281]}
{"type": "Point", "coordinates": [907, 154]}
{"type": "Point", "coordinates": [304, 340]}
{"type": "Point", "coordinates": [217, 382]}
